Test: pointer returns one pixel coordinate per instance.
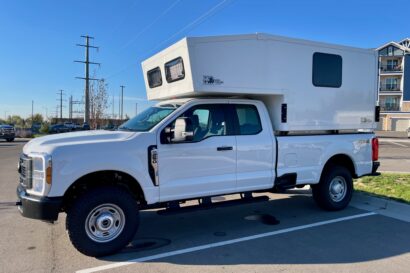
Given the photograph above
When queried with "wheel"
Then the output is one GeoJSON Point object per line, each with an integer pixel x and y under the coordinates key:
{"type": "Point", "coordinates": [10, 139]}
{"type": "Point", "coordinates": [102, 221]}
{"type": "Point", "coordinates": [335, 188]}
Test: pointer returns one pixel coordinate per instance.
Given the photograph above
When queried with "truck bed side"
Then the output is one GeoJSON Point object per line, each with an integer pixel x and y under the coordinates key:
{"type": "Point", "coordinates": [307, 155]}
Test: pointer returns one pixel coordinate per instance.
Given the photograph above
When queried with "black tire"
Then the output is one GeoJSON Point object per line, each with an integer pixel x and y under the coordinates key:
{"type": "Point", "coordinates": [322, 193]}
{"type": "Point", "coordinates": [10, 139]}
{"type": "Point", "coordinates": [83, 206]}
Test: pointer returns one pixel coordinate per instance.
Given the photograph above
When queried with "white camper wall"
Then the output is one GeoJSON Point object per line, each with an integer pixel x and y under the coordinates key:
{"type": "Point", "coordinates": [277, 70]}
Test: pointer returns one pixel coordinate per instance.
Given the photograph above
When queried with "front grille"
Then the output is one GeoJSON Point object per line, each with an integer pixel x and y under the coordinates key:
{"type": "Point", "coordinates": [26, 171]}
{"type": "Point", "coordinates": [8, 131]}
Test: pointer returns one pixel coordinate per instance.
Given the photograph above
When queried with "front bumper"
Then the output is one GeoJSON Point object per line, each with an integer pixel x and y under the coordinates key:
{"type": "Point", "coordinates": [36, 207]}
{"type": "Point", "coordinates": [7, 136]}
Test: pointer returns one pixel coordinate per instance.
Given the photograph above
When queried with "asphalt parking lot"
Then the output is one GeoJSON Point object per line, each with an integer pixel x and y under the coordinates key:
{"type": "Point", "coordinates": [285, 233]}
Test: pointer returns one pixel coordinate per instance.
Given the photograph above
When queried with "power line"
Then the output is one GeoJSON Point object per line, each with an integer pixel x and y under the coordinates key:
{"type": "Point", "coordinates": [150, 25]}
{"type": "Point", "coordinates": [195, 23]}
{"type": "Point", "coordinates": [87, 75]}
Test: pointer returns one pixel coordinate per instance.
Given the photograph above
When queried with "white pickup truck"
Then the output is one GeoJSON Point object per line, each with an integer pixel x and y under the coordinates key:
{"type": "Point", "coordinates": [182, 149]}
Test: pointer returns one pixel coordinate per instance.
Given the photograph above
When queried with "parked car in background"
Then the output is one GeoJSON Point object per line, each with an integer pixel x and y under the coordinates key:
{"type": "Point", "coordinates": [58, 128]}
{"type": "Point", "coordinates": [7, 132]}
{"type": "Point", "coordinates": [86, 126]}
{"type": "Point", "coordinates": [35, 128]}
{"type": "Point", "coordinates": [70, 125]}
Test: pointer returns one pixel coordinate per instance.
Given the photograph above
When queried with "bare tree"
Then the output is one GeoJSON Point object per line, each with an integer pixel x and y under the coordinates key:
{"type": "Point", "coordinates": [98, 102]}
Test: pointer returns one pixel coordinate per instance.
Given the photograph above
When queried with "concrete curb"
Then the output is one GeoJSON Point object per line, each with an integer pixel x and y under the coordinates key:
{"type": "Point", "coordinates": [381, 206]}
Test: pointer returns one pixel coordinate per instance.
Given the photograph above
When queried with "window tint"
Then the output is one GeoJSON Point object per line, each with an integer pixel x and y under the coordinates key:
{"type": "Point", "coordinates": [327, 70]}
{"type": "Point", "coordinates": [207, 121]}
{"type": "Point", "coordinates": [154, 77]}
{"type": "Point", "coordinates": [174, 70]}
{"type": "Point", "coordinates": [248, 119]}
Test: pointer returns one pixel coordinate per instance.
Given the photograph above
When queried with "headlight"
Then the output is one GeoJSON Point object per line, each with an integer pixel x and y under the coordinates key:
{"type": "Point", "coordinates": [41, 175]}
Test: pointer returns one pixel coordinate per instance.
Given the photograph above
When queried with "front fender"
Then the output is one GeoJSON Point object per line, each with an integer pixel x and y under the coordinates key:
{"type": "Point", "coordinates": [73, 162]}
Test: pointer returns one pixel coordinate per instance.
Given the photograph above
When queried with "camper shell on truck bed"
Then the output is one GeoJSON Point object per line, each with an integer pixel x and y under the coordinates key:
{"type": "Point", "coordinates": [306, 86]}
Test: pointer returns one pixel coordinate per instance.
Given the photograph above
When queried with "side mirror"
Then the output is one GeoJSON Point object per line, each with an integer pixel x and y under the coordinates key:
{"type": "Point", "coordinates": [183, 130]}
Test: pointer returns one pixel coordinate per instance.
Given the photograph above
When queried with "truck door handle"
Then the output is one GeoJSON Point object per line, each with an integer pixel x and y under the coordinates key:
{"type": "Point", "coordinates": [225, 148]}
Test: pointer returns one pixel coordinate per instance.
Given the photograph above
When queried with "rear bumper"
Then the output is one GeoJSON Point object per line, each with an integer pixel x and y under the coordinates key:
{"type": "Point", "coordinates": [35, 207]}
{"type": "Point", "coordinates": [376, 165]}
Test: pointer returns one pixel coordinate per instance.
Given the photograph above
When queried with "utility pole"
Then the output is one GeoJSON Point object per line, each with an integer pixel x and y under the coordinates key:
{"type": "Point", "coordinates": [32, 112]}
{"type": "Point", "coordinates": [70, 108]}
{"type": "Point", "coordinates": [61, 93]}
{"type": "Point", "coordinates": [87, 75]}
{"type": "Point", "coordinates": [122, 100]}
{"type": "Point", "coordinates": [136, 108]}
{"type": "Point", "coordinates": [113, 113]}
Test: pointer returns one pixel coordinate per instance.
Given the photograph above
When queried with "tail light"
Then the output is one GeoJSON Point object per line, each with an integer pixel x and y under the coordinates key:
{"type": "Point", "coordinates": [375, 149]}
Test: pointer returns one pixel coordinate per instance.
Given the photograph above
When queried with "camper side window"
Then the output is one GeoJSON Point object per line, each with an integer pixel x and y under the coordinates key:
{"type": "Point", "coordinates": [327, 70]}
{"type": "Point", "coordinates": [154, 77]}
{"type": "Point", "coordinates": [174, 70]}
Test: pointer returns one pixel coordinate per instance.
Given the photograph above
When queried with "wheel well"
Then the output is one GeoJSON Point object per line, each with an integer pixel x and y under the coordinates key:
{"type": "Point", "coordinates": [341, 160]}
{"type": "Point", "coordinates": [100, 178]}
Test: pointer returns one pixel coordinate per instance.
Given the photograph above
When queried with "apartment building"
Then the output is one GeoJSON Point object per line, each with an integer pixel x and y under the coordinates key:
{"type": "Point", "coordinates": [394, 85]}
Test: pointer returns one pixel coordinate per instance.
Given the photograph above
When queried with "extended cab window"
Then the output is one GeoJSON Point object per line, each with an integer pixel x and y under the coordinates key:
{"type": "Point", "coordinates": [207, 120]}
{"type": "Point", "coordinates": [248, 119]}
{"type": "Point", "coordinates": [327, 70]}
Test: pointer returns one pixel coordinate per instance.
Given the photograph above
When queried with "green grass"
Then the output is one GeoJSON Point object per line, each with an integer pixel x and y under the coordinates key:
{"type": "Point", "coordinates": [393, 186]}
{"type": "Point", "coordinates": [38, 135]}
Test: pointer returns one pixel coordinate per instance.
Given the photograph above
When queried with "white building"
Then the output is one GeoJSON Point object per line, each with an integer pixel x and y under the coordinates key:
{"type": "Point", "coordinates": [394, 85]}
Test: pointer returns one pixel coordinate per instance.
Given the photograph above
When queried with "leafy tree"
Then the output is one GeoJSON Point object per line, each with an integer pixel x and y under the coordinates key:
{"type": "Point", "coordinates": [16, 120]}
{"type": "Point", "coordinates": [37, 118]}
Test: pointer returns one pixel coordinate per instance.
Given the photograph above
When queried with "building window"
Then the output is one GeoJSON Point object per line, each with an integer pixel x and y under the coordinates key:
{"type": "Point", "coordinates": [391, 84]}
{"type": "Point", "coordinates": [390, 51]}
{"type": "Point", "coordinates": [327, 70]}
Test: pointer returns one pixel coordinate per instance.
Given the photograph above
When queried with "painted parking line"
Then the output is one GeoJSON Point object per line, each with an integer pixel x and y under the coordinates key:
{"type": "Point", "coordinates": [222, 243]}
{"type": "Point", "coordinates": [399, 144]}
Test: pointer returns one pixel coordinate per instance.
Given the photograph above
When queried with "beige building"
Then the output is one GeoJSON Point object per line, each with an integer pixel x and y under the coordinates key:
{"type": "Point", "coordinates": [394, 85]}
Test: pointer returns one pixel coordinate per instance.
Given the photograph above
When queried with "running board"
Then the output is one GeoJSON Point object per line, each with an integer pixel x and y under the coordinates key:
{"type": "Point", "coordinates": [207, 203]}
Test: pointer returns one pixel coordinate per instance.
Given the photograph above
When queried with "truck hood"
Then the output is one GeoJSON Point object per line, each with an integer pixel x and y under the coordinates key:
{"type": "Point", "coordinates": [48, 143]}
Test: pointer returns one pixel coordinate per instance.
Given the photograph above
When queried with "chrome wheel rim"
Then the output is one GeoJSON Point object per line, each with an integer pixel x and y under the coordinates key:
{"type": "Point", "coordinates": [338, 188]}
{"type": "Point", "coordinates": [104, 223]}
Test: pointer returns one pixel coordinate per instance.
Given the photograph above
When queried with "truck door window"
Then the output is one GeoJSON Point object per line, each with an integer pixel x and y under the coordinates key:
{"type": "Point", "coordinates": [248, 119]}
{"type": "Point", "coordinates": [207, 120]}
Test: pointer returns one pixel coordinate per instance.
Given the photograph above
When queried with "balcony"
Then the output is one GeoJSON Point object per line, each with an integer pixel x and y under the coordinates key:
{"type": "Point", "coordinates": [385, 68]}
{"type": "Point", "coordinates": [390, 108]}
{"type": "Point", "coordinates": [390, 87]}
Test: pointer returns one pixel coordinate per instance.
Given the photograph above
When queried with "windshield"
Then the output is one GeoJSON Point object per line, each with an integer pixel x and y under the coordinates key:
{"type": "Point", "coordinates": [148, 119]}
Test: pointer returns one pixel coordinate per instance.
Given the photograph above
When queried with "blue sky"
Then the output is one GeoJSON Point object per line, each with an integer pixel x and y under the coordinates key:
{"type": "Point", "coordinates": [37, 48]}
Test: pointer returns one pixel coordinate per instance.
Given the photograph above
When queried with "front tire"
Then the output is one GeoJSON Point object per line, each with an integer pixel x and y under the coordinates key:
{"type": "Point", "coordinates": [335, 188]}
{"type": "Point", "coordinates": [102, 221]}
{"type": "Point", "coordinates": [10, 139]}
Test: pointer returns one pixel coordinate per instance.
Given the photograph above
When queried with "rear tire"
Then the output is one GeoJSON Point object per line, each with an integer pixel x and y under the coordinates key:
{"type": "Point", "coordinates": [102, 221]}
{"type": "Point", "coordinates": [10, 139]}
{"type": "Point", "coordinates": [335, 188]}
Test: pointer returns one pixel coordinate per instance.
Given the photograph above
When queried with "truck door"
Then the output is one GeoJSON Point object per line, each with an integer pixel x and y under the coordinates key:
{"type": "Point", "coordinates": [255, 148]}
{"type": "Point", "coordinates": [203, 166]}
